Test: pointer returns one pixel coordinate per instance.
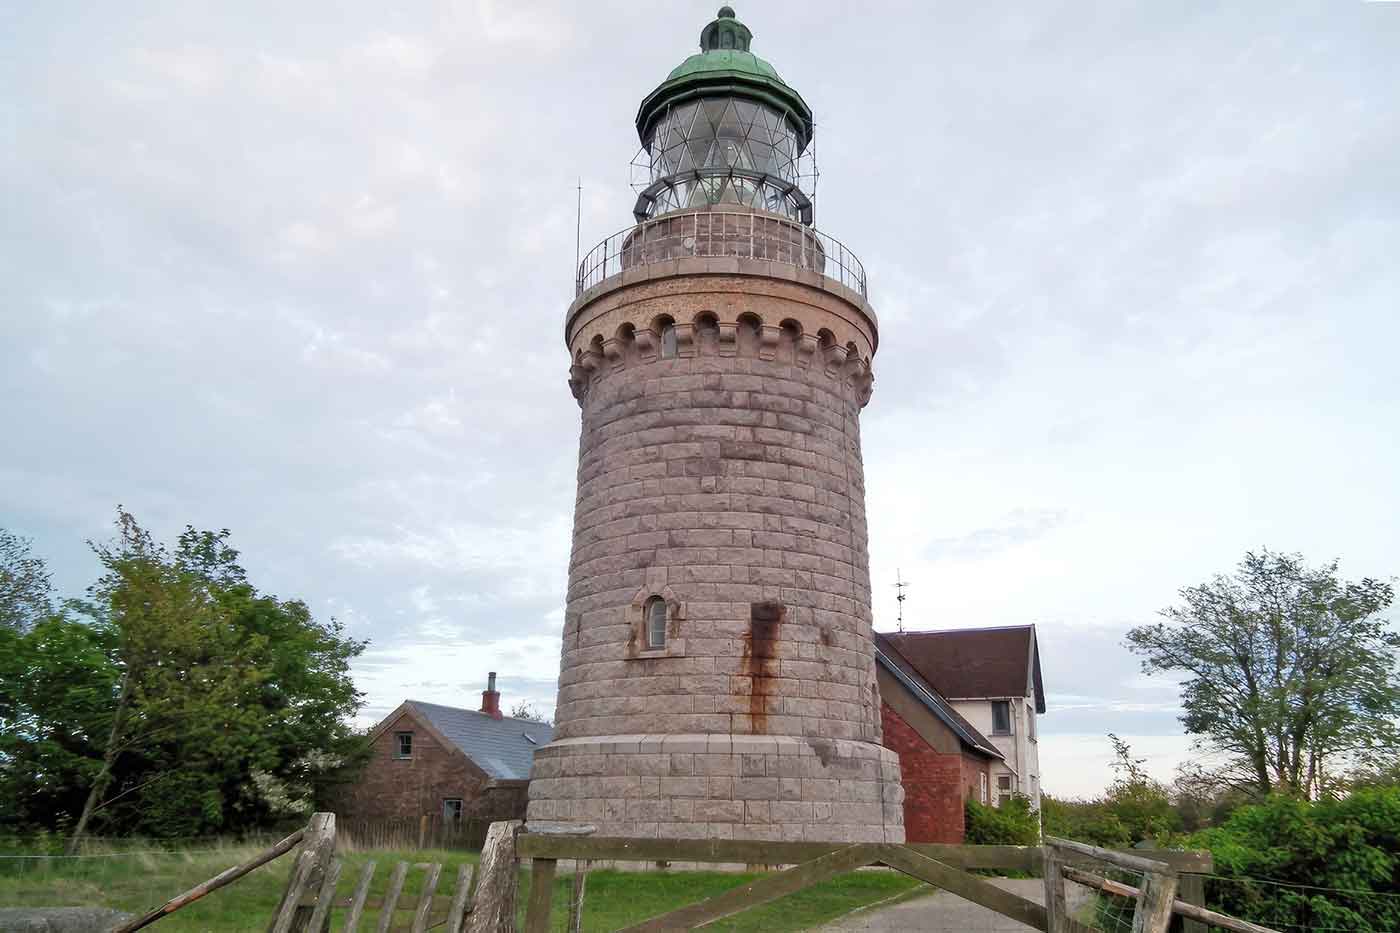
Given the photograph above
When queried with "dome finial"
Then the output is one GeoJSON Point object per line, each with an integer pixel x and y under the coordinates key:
{"type": "Point", "coordinates": [725, 32]}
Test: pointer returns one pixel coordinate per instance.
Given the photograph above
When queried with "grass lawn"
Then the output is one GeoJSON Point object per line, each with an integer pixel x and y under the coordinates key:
{"type": "Point", "coordinates": [138, 881]}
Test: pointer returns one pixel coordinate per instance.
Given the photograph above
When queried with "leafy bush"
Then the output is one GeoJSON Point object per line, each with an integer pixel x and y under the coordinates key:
{"type": "Point", "coordinates": [1013, 823]}
{"type": "Point", "coordinates": [1351, 844]}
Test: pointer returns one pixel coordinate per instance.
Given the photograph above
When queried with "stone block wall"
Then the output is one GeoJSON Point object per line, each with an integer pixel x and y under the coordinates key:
{"type": "Point", "coordinates": [720, 472]}
{"type": "Point", "coordinates": [720, 787]}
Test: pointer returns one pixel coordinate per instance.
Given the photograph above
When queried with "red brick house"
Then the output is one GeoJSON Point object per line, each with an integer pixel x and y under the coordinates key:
{"type": "Point", "coordinates": [447, 763]}
{"type": "Point", "coordinates": [943, 759]}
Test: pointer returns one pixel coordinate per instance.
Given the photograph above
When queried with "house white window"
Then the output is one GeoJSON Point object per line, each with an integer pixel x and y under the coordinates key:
{"type": "Point", "coordinates": [1003, 788]}
{"type": "Point", "coordinates": [1001, 717]}
{"type": "Point", "coordinates": [656, 623]}
{"type": "Point", "coordinates": [452, 809]}
{"type": "Point", "coordinates": [982, 787]}
{"type": "Point", "coordinates": [403, 744]}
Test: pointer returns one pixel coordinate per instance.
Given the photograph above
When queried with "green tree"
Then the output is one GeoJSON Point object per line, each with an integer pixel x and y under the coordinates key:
{"type": "Point", "coordinates": [1291, 671]}
{"type": "Point", "coordinates": [186, 703]}
{"type": "Point", "coordinates": [1138, 801]}
{"type": "Point", "coordinates": [24, 584]}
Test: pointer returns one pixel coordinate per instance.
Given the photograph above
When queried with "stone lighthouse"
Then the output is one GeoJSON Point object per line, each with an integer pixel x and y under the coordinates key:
{"type": "Point", "coordinates": [717, 678]}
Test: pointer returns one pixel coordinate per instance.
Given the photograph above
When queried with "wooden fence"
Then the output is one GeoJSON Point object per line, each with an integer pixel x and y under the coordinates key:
{"type": "Point", "coordinates": [310, 897]}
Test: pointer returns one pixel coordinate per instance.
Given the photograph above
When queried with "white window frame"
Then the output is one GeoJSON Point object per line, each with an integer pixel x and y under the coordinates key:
{"type": "Point", "coordinates": [982, 786]}
{"type": "Point", "coordinates": [399, 753]}
{"type": "Point", "coordinates": [655, 629]}
{"type": "Point", "coordinates": [452, 817]}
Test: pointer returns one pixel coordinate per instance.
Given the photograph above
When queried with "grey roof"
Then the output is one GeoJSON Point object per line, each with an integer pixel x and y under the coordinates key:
{"type": "Point", "coordinates": [503, 748]}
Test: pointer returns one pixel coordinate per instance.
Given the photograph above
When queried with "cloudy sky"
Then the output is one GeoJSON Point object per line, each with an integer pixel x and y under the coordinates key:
{"type": "Point", "coordinates": [300, 270]}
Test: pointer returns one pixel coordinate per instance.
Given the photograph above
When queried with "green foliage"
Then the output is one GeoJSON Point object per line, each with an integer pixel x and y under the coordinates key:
{"type": "Point", "coordinates": [1351, 844]}
{"type": "Point", "coordinates": [185, 703]}
{"type": "Point", "coordinates": [1091, 821]}
{"type": "Point", "coordinates": [1291, 671]}
{"type": "Point", "coordinates": [24, 584]}
{"type": "Point", "coordinates": [1013, 823]}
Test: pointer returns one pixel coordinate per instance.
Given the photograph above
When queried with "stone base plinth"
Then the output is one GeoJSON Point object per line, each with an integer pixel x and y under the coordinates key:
{"type": "Point", "coordinates": [720, 787]}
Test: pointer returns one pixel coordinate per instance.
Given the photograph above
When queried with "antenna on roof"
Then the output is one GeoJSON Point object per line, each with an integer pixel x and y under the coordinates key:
{"type": "Point", "coordinates": [899, 586]}
{"type": "Point", "coordinates": [578, 230]}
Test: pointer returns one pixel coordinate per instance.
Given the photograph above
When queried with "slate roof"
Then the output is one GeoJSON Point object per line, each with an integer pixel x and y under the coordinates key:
{"type": "Point", "coordinates": [503, 748]}
{"type": "Point", "coordinates": [888, 657]}
{"type": "Point", "coordinates": [972, 663]}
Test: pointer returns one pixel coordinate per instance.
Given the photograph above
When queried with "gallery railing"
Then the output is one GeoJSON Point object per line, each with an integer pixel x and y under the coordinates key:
{"type": "Point", "coordinates": [714, 234]}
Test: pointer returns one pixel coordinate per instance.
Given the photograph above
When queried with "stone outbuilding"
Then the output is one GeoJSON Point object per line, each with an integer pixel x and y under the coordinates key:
{"type": "Point", "coordinates": [944, 760]}
{"type": "Point", "coordinates": [447, 763]}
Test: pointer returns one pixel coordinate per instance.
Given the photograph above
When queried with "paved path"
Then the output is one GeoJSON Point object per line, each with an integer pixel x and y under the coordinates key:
{"type": "Point", "coordinates": [942, 912]}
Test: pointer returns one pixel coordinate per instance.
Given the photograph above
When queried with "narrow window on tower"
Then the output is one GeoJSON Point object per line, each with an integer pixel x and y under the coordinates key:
{"type": "Point", "coordinates": [668, 341]}
{"type": "Point", "coordinates": [656, 623]}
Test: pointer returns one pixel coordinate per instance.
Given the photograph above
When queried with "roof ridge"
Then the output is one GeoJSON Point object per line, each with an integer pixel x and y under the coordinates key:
{"type": "Point", "coordinates": [465, 709]}
{"type": "Point", "coordinates": [954, 631]}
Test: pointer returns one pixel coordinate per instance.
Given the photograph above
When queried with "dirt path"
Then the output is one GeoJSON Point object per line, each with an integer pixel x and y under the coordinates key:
{"type": "Point", "coordinates": [941, 912]}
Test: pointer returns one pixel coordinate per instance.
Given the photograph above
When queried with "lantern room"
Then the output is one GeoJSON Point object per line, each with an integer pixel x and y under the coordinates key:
{"type": "Point", "coordinates": [725, 129]}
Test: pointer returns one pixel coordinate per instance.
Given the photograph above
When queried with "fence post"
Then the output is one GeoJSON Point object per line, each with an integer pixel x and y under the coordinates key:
{"type": "Point", "coordinates": [1154, 907]}
{"type": "Point", "coordinates": [1054, 891]}
{"type": "Point", "coordinates": [308, 872]}
{"type": "Point", "coordinates": [1193, 891]}
{"type": "Point", "coordinates": [422, 832]}
{"type": "Point", "coordinates": [494, 909]}
{"type": "Point", "coordinates": [541, 895]}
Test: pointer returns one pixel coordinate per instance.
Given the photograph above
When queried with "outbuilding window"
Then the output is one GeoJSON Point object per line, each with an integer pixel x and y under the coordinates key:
{"type": "Point", "coordinates": [403, 743]}
{"type": "Point", "coordinates": [452, 809]}
{"type": "Point", "coordinates": [1003, 789]}
{"type": "Point", "coordinates": [1001, 717]}
{"type": "Point", "coordinates": [656, 623]}
{"type": "Point", "coordinates": [982, 787]}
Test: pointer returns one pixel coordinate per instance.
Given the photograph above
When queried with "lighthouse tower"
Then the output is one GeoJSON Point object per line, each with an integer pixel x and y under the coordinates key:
{"type": "Point", "coordinates": [717, 678]}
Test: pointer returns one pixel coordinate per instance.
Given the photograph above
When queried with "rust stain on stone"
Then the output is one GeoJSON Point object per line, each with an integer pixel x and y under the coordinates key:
{"type": "Point", "coordinates": [760, 660]}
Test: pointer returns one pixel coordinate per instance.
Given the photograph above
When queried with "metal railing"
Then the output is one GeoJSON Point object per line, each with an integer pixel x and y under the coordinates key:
{"type": "Point", "coordinates": [725, 234]}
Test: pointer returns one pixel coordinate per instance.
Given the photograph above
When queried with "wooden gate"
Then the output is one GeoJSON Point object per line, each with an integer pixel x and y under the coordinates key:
{"type": "Point", "coordinates": [943, 866]}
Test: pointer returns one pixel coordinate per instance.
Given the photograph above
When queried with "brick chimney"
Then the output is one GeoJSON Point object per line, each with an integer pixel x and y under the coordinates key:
{"type": "Point", "coordinates": [491, 698]}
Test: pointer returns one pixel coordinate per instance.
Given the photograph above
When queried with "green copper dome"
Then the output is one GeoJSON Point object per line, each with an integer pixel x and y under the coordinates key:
{"type": "Point", "coordinates": [725, 67]}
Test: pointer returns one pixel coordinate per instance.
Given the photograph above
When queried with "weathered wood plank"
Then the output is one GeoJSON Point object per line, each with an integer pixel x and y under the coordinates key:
{"type": "Point", "coordinates": [494, 908]}
{"type": "Point", "coordinates": [357, 904]}
{"type": "Point", "coordinates": [969, 887]}
{"type": "Point", "coordinates": [768, 888]}
{"type": "Point", "coordinates": [317, 846]}
{"type": "Point", "coordinates": [1192, 890]}
{"type": "Point", "coordinates": [458, 911]}
{"type": "Point", "coordinates": [1154, 906]}
{"type": "Point", "coordinates": [621, 848]}
{"type": "Point", "coordinates": [213, 884]}
{"type": "Point", "coordinates": [1055, 909]}
{"type": "Point", "coordinates": [1207, 917]}
{"type": "Point", "coordinates": [425, 901]}
{"type": "Point", "coordinates": [391, 897]}
{"type": "Point", "coordinates": [325, 897]}
{"type": "Point", "coordinates": [541, 895]}
{"type": "Point", "coordinates": [1113, 857]}
{"type": "Point", "coordinates": [576, 901]}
